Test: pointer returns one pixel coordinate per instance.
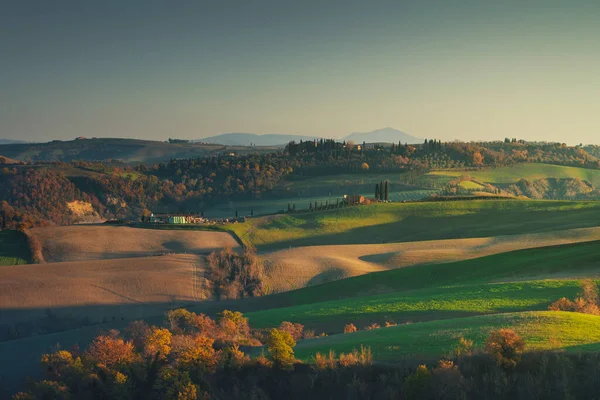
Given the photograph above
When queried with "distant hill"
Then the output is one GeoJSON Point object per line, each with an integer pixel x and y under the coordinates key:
{"type": "Point", "coordinates": [125, 150]}
{"type": "Point", "coordinates": [385, 135]}
{"type": "Point", "coordinates": [10, 141]}
{"type": "Point", "coordinates": [247, 139]}
{"type": "Point", "coordinates": [6, 160]}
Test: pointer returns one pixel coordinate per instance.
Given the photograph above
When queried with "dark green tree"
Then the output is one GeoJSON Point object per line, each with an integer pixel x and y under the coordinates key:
{"type": "Point", "coordinates": [387, 190]}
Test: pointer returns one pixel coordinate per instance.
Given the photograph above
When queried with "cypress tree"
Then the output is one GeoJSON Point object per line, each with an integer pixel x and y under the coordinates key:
{"type": "Point", "coordinates": [376, 191]}
{"type": "Point", "coordinates": [387, 190]}
{"type": "Point", "coordinates": [381, 191]}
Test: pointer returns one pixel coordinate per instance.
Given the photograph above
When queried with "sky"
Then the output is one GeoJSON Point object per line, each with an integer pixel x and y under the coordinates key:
{"type": "Point", "coordinates": [446, 69]}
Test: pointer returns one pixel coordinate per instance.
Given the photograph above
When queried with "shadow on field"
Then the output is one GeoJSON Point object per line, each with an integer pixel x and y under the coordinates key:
{"type": "Point", "coordinates": [486, 223]}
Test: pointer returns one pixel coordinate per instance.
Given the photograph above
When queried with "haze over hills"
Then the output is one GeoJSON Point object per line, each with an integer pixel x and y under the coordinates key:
{"type": "Point", "coordinates": [384, 135]}
{"type": "Point", "coordinates": [247, 139]}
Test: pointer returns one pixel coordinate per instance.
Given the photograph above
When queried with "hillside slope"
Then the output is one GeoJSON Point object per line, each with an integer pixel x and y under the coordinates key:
{"type": "Point", "coordinates": [98, 242]}
{"type": "Point", "coordinates": [305, 266]}
{"type": "Point", "coordinates": [126, 150]}
{"type": "Point", "coordinates": [401, 222]}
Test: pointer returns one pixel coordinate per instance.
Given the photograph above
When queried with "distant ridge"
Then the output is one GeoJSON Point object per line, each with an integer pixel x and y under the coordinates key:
{"type": "Point", "coordinates": [10, 141]}
{"type": "Point", "coordinates": [247, 139]}
{"type": "Point", "coordinates": [384, 135]}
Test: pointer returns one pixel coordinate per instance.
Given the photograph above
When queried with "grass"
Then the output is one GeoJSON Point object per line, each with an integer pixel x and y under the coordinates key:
{"type": "Point", "coordinates": [579, 259]}
{"type": "Point", "coordinates": [470, 185]}
{"type": "Point", "coordinates": [511, 174]}
{"type": "Point", "coordinates": [13, 248]}
{"type": "Point", "coordinates": [398, 222]}
{"type": "Point", "coordinates": [541, 330]}
{"type": "Point", "coordinates": [421, 305]}
{"type": "Point", "coordinates": [277, 205]}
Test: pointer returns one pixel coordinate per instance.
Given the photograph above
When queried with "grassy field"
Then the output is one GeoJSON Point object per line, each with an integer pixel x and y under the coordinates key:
{"type": "Point", "coordinates": [398, 222]}
{"type": "Point", "coordinates": [542, 330]}
{"type": "Point", "coordinates": [519, 280]}
{"type": "Point", "coordinates": [277, 205]}
{"type": "Point", "coordinates": [506, 175]}
{"type": "Point", "coordinates": [13, 248]}
{"type": "Point", "coordinates": [421, 305]}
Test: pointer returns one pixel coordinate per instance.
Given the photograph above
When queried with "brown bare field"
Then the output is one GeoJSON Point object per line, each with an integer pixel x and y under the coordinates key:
{"type": "Point", "coordinates": [85, 287]}
{"type": "Point", "coordinates": [99, 242]}
{"type": "Point", "coordinates": [298, 267]}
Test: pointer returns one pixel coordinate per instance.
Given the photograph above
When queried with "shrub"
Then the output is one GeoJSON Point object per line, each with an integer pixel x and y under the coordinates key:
{"type": "Point", "coordinates": [158, 343]}
{"type": "Point", "coordinates": [196, 351]}
{"type": "Point", "coordinates": [263, 361]}
{"type": "Point", "coordinates": [233, 327]}
{"type": "Point", "coordinates": [111, 351]}
{"type": "Point", "coordinates": [506, 347]}
{"type": "Point", "coordinates": [60, 364]}
{"type": "Point", "coordinates": [295, 330]}
{"type": "Point", "coordinates": [233, 357]}
{"type": "Point", "coordinates": [206, 326]}
{"type": "Point", "coordinates": [464, 348]}
{"type": "Point", "coordinates": [349, 359]}
{"type": "Point", "coordinates": [323, 361]}
{"type": "Point", "coordinates": [234, 276]}
{"type": "Point", "coordinates": [418, 384]}
{"type": "Point", "coordinates": [138, 331]}
{"type": "Point", "coordinates": [280, 346]}
{"type": "Point", "coordinates": [562, 304]}
{"type": "Point", "coordinates": [448, 382]}
{"type": "Point", "coordinates": [372, 326]}
{"type": "Point", "coordinates": [181, 320]}
{"type": "Point", "coordinates": [349, 328]}
{"type": "Point", "coordinates": [35, 247]}
{"type": "Point", "coordinates": [365, 357]}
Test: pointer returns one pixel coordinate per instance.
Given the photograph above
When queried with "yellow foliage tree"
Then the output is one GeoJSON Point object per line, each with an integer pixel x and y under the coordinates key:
{"type": "Point", "coordinates": [158, 342]}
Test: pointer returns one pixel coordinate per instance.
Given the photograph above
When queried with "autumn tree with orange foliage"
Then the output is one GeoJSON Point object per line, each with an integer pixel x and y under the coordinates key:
{"type": "Point", "coordinates": [506, 347]}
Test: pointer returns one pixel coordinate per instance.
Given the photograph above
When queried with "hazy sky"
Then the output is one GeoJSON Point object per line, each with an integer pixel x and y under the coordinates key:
{"type": "Point", "coordinates": [156, 69]}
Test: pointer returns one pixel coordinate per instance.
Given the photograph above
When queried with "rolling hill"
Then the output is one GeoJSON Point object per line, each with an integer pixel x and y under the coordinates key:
{"type": "Point", "coordinates": [512, 174]}
{"type": "Point", "coordinates": [125, 150]}
{"type": "Point", "coordinates": [402, 222]}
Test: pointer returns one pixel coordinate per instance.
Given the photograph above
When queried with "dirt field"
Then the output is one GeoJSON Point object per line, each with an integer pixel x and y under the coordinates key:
{"type": "Point", "coordinates": [84, 287]}
{"type": "Point", "coordinates": [298, 267]}
{"type": "Point", "coordinates": [100, 242]}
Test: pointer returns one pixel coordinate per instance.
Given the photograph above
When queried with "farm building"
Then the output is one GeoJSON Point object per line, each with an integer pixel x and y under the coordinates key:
{"type": "Point", "coordinates": [176, 219]}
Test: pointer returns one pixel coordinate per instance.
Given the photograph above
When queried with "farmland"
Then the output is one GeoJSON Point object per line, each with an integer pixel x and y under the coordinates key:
{"type": "Point", "coordinates": [440, 270]}
{"type": "Point", "coordinates": [401, 222]}
{"type": "Point", "coordinates": [545, 330]}
{"type": "Point", "coordinates": [512, 174]}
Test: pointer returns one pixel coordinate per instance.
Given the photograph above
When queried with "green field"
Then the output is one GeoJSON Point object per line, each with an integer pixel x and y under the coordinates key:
{"type": "Point", "coordinates": [542, 330]}
{"type": "Point", "coordinates": [277, 205]}
{"type": "Point", "coordinates": [13, 248]}
{"type": "Point", "coordinates": [399, 222]}
{"type": "Point", "coordinates": [421, 305]}
{"type": "Point", "coordinates": [512, 174]}
{"type": "Point", "coordinates": [513, 281]}
{"type": "Point", "coordinates": [470, 185]}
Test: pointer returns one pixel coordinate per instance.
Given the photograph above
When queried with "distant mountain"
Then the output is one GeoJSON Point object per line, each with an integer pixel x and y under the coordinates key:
{"type": "Point", "coordinates": [385, 135]}
{"type": "Point", "coordinates": [245, 139]}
